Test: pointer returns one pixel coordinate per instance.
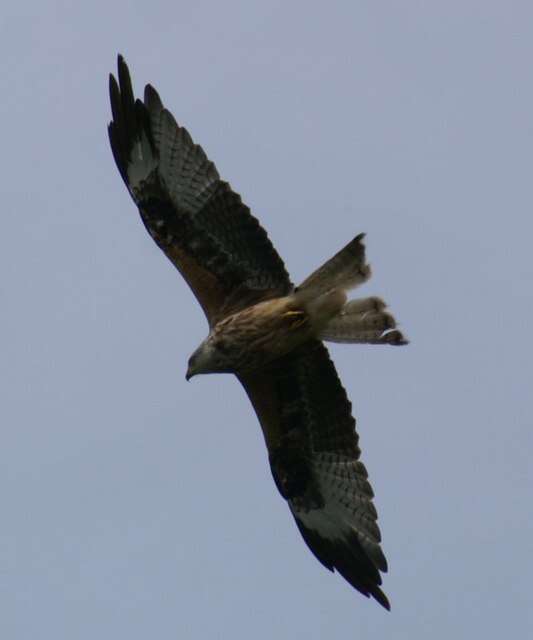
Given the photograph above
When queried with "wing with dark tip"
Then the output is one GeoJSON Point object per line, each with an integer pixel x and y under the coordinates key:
{"type": "Point", "coordinates": [196, 219]}
{"type": "Point", "coordinates": [314, 456]}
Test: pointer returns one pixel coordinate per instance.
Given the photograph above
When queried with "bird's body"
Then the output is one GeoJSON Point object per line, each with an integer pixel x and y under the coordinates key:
{"type": "Point", "coordinates": [263, 329]}
{"type": "Point", "coordinates": [261, 333]}
{"type": "Point", "coordinates": [252, 338]}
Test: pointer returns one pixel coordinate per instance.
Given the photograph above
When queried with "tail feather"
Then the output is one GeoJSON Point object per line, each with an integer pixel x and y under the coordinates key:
{"type": "Point", "coordinates": [361, 305]}
{"type": "Point", "coordinates": [332, 334]}
{"type": "Point", "coordinates": [345, 270]}
{"type": "Point", "coordinates": [363, 321]}
{"type": "Point", "coordinates": [323, 295]}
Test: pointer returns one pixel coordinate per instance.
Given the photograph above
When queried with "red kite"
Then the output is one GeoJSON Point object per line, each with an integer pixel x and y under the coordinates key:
{"type": "Point", "coordinates": [263, 329]}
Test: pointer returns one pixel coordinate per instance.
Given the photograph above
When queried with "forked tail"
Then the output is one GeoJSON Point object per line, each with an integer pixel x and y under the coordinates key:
{"type": "Point", "coordinates": [323, 294]}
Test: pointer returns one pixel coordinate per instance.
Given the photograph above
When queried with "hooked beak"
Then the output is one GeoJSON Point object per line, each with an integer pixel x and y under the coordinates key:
{"type": "Point", "coordinates": [191, 371]}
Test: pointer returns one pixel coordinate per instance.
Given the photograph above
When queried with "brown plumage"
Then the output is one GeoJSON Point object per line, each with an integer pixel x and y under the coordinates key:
{"type": "Point", "coordinates": [263, 329]}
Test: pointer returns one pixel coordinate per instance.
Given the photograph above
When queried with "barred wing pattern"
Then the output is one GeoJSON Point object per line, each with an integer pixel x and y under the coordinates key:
{"type": "Point", "coordinates": [196, 219]}
{"type": "Point", "coordinates": [314, 455]}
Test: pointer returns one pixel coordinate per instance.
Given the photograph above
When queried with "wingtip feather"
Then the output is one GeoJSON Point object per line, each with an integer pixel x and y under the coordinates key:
{"type": "Point", "coordinates": [151, 99]}
{"type": "Point", "coordinates": [350, 559]}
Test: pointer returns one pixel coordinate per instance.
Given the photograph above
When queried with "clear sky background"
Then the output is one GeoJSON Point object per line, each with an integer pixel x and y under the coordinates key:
{"type": "Point", "coordinates": [135, 505]}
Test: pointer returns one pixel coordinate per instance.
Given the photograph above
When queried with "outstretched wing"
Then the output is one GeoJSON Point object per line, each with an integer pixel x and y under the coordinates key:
{"type": "Point", "coordinates": [314, 456]}
{"type": "Point", "coordinates": [196, 219]}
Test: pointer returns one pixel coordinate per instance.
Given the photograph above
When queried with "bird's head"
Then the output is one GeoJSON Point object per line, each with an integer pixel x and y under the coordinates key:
{"type": "Point", "coordinates": [210, 357]}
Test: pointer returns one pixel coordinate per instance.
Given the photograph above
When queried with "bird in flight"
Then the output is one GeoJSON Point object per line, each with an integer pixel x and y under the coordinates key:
{"type": "Point", "coordinates": [263, 329]}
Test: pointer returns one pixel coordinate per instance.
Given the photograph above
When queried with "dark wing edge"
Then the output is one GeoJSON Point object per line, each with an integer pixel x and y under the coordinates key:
{"type": "Point", "coordinates": [314, 456]}
{"type": "Point", "coordinates": [202, 226]}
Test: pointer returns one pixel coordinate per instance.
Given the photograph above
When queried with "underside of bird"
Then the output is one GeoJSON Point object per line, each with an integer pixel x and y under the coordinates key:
{"type": "Point", "coordinates": [316, 310]}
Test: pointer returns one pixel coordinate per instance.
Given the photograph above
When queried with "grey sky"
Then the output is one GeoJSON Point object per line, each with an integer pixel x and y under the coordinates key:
{"type": "Point", "coordinates": [135, 505]}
